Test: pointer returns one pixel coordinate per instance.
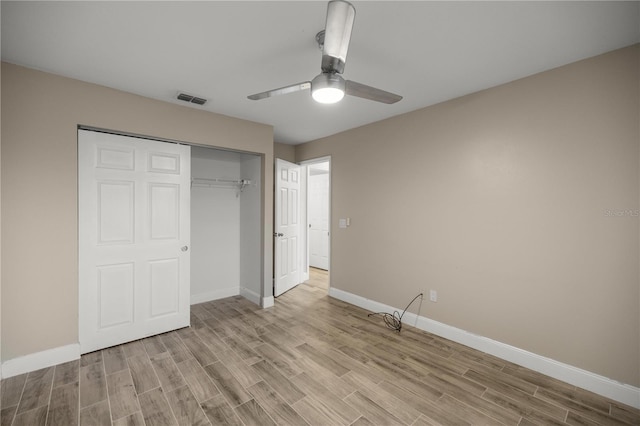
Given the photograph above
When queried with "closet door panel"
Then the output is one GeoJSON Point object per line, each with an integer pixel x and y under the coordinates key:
{"type": "Point", "coordinates": [134, 237]}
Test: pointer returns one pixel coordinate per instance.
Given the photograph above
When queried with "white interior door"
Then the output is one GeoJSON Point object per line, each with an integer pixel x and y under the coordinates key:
{"type": "Point", "coordinates": [318, 193]}
{"type": "Point", "coordinates": [287, 227]}
{"type": "Point", "coordinates": [134, 231]}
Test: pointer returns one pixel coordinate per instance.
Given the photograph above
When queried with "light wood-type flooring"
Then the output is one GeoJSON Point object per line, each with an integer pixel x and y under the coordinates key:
{"type": "Point", "coordinates": [310, 359]}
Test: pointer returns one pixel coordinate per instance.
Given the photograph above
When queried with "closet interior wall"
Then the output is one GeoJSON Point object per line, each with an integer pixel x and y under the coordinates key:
{"type": "Point", "coordinates": [225, 225]}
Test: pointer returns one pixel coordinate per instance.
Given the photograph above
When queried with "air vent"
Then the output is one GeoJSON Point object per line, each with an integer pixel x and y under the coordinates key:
{"type": "Point", "coordinates": [192, 99]}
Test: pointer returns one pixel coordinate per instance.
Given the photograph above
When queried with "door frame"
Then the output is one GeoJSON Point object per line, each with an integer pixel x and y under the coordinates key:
{"type": "Point", "coordinates": [305, 219]}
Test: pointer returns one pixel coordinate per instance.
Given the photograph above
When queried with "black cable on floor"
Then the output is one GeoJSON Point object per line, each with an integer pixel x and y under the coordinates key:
{"type": "Point", "coordinates": [394, 321]}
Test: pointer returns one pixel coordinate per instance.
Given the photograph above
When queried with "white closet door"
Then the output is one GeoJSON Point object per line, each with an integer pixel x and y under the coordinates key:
{"type": "Point", "coordinates": [287, 224]}
{"type": "Point", "coordinates": [134, 230]}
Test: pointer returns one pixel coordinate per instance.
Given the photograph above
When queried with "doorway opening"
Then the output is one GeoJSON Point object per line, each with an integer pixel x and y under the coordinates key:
{"type": "Point", "coordinates": [317, 209]}
{"type": "Point", "coordinates": [302, 222]}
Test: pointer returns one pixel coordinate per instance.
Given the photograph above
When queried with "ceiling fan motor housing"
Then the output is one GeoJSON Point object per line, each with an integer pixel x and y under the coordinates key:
{"type": "Point", "coordinates": [328, 87]}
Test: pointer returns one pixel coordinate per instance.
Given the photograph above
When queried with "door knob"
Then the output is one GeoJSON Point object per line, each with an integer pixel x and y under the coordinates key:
{"type": "Point", "coordinates": [184, 248]}
{"type": "Point", "coordinates": [278, 234]}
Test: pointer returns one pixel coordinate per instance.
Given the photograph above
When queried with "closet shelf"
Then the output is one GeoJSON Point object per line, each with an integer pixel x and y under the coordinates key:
{"type": "Point", "coordinates": [239, 184]}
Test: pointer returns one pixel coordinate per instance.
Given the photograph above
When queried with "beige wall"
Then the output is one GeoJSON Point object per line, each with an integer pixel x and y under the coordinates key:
{"type": "Point", "coordinates": [40, 114]}
{"type": "Point", "coordinates": [284, 151]}
{"type": "Point", "coordinates": [518, 204]}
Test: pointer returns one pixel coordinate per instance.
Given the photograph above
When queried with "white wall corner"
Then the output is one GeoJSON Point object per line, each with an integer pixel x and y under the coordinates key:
{"type": "Point", "coordinates": [268, 302]}
{"type": "Point", "coordinates": [214, 295]}
{"type": "Point", "coordinates": [584, 379]}
{"type": "Point", "coordinates": [38, 360]}
{"type": "Point", "coordinates": [250, 295]}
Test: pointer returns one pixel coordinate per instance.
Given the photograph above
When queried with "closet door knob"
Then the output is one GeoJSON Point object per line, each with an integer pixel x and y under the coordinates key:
{"type": "Point", "coordinates": [278, 234]}
{"type": "Point", "coordinates": [184, 248]}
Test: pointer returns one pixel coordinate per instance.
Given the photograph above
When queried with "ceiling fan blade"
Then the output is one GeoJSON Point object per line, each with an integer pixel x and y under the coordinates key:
{"type": "Point", "coordinates": [337, 34]}
{"type": "Point", "coordinates": [367, 92]}
{"type": "Point", "coordinates": [281, 91]}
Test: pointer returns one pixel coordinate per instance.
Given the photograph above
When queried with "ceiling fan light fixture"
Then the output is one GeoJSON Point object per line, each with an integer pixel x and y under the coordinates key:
{"type": "Point", "coordinates": [327, 88]}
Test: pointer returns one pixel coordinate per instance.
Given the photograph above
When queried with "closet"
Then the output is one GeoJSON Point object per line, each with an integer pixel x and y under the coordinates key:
{"type": "Point", "coordinates": [161, 226]}
{"type": "Point", "coordinates": [225, 225]}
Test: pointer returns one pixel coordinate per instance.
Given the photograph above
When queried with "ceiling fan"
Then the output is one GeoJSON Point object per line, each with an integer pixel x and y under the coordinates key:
{"type": "Point", "coordinates": [329, 86]}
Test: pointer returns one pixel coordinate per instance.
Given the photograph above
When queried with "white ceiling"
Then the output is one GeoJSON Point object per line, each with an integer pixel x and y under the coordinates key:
{"type": "Point", "coordinates": [428, 52]}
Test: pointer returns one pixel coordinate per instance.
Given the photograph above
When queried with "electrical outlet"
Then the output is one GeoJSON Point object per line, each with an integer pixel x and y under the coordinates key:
{"type": "Point", "coordinates": [433, 295]}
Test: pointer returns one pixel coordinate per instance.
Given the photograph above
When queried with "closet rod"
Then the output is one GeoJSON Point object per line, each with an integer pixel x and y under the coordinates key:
{"type": "Point", "coordinates": [211, 183]}
{"type": "Point", "coordinates": [217, 180]}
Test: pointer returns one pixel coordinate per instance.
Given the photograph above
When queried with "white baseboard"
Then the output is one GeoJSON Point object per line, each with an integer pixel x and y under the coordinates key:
{"type": "Point", "coordinates": [584, 379]}
{"type": "Point", "coordinates": [38, 360]}
{"type": "Point", "coordinates": [250, 295]}
{"type": "Point", "coordinates": [268, 302]}
{"type": "Point", "coordinates": [214, 295]}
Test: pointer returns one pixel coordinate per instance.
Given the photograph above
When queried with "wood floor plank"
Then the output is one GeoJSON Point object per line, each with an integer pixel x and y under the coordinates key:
{"type": "Point", "coordinates": [227, 384]}
{"type": "Point", "coordinates": [7, 415]}
{"type": "Point", "coordinates": [577, 407]}
{"type": "Point", "coordinates": [501, 382]}
{"type": "Point", "coordinates": [322, 359]}
{"type": "Point", "coordinates": [242, 349]}
{"type": "Point", "coordinates": [245, 374]}
{"type": "Point", "coordinates": [199, 350]}
{"type": "Point", "coordinates": [66, 373]}
{"type": "Point", "coordinates": [627, 414]}
{"type": "Point", "coordinates": [142, 373]}
{"type": "Point", "coordinates": [421, 401]}
{"type": "Point", "coordinates": [198, 380]}
{"type": "Point", "coordinates": [537, 379]}
{"type": "Point", "coordinates": [135, 348]}
{"type": "Point", "coordinates": [275, 406]}
{"type": "Point", "coordinates": [93, 384]}
{"type": "Point", "coordinates": [153, 345]}
{"type": "Point", "coordinates": [155, 408]}
{"type": "Point", "coordinates": [219, 412]}
{"type": "Point", "coordinates": [325, 396]}
{"type": "Point", "coordinates": [363, 421]}
{"type": "Point", "coordinates": [212, 340]}
{"type": "Point", "coordinates": [371, 410]}
{"type": "Point", "coordinates": [454, 385]}
{"type": "Point", "coordinates": [63, 407]}
{"type": "Point", "coordinates": [114, 359]}
{"type": "Point", "coordinates": [282, 363]}
{"type": "Point", "coordinates": [381, 396]}
{"type": "Point", "coordinates": [96, 414]}
{"type": "Point", "coordinates": [123, 398]}
{"type": "Point", "coordinates": [252, 414]}
{"type": "Point", "coordinates": [36, 390]}
{"type": "Point", "coordinates": [526, 405]}
{"type": "Point", "coordinates": [466, 412]}
{"type": "Point", "coordinates": [34, 417]}
{"type": "Point", "coordinates": [90, 358]}
{"type": "Point", "coordinates": [176, 348]}
{"type": "Point", "coordinates": [11, 389]}
{"type": "Point", "coordinates": [289, 391]}
{"type": "Point", "coordinates": [580, 401]}
{"type": "Point", "coordinates": [134, 419]}
{"type": "Point", "coordinates": [186, 408]}
{"type": "Point", "coordinates": [167, 371]}
{"type": "Point", "coordinates": [316, 414]}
